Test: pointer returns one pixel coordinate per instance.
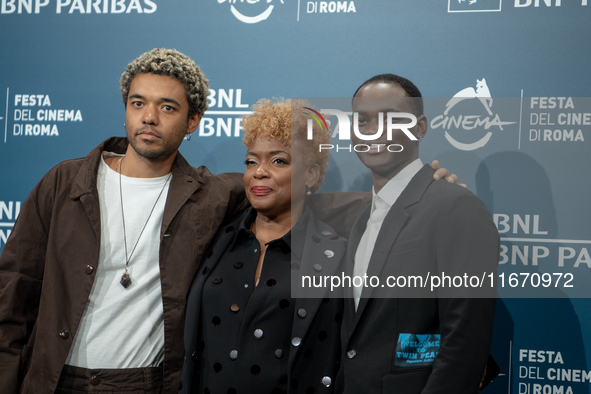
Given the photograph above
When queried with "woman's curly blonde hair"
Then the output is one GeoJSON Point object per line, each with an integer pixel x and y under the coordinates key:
{"type": "Point", "coordinates": [287, 121]}
{"type": "Point", "coordinates": [172, 63]}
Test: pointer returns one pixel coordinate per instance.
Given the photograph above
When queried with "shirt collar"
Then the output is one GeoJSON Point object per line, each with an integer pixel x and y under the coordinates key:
{"type": "Point", "coordinates": [395, 186]}
{"type": "Point", "coordinates": [294, 239]}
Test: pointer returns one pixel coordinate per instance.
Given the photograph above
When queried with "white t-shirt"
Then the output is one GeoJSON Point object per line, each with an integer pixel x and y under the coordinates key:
{"type": "Point", "coordinates": [124, 328]}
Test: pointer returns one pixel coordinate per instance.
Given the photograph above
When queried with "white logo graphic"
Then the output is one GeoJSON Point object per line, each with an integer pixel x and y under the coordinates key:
{"type": "Point", "coordinates": [469, 122]}
{"type": "Point", "coordinates": [9, 210]}
{"type": "Point", "coordinates": [6, 117]}
{"type": "Point", "coordinates": [474, 5]}
{"type": "Point", "coordinates": [481, 92]}
{"type": "Point", "coordinates": [224, 117]}
{"type": "Point", "coordinates": [250, 19]}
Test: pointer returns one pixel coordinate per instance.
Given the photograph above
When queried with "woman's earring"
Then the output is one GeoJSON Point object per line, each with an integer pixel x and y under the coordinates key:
{"type": "Point", "coordinates": [308, 191]}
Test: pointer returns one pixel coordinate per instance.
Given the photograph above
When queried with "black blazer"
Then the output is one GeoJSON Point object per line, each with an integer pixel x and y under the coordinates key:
{"type": "Point", "coordinates": [312, 364]}
{"type": "Point", "coordinates": [433, 227]}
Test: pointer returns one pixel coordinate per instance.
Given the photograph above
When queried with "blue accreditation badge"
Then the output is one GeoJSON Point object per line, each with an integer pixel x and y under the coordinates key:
{"type": "Point", "coordinates": [416, 349]}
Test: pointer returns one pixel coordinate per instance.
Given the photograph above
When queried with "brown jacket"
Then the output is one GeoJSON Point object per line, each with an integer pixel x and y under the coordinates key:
{"type": "Point", "coordinates": [47, 266]}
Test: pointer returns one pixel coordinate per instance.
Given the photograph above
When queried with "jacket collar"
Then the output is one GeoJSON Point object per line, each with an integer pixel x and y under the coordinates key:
{"type": "Point", "coordinates": [293, 239]}
{"type": "Point", "coordinates": [85, 181]}
{"type": "Point", "coordinates": [185, 181]}
{"type": "Point", "coordinates": [393, 223]}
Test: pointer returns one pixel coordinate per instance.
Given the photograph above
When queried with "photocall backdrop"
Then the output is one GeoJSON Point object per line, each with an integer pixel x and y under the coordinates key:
{"type": "Point", "coordinates": [519, 138]}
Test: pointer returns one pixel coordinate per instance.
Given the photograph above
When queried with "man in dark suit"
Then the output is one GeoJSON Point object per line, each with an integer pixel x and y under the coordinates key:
{"type": "Point", "coordinates": [404, 338]}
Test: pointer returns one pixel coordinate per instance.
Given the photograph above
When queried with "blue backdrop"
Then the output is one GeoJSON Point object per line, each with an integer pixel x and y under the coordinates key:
{"type": "Point", "coordinates": [527, 60]}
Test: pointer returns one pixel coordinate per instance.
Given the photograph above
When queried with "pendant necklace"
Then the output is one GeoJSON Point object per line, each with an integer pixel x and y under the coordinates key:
{"type": "Point", "coordinates": [125, 278]}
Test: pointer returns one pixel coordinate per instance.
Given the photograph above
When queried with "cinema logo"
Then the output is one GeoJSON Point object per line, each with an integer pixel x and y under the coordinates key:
{"type": "Point", "coordinates": [394, 121]}
{"type": "Point", "coordinates": [251, 11]}
{"type": "Point", "coordinates": [482, 121]}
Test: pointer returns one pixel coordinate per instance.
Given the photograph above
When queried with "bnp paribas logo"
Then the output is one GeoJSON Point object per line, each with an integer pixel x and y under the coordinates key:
{"type": "Point", "coordinates": [251, 11]}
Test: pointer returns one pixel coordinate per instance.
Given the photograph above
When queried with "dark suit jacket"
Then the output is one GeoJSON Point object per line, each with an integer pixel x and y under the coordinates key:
{"type": "Point", "coordinates": [314, 363]}
{"type": "Point", "coordinates": [433, 227]}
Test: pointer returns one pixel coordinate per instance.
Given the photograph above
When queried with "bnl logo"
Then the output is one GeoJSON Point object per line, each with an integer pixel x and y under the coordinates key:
{"type": "Point", "coordinates": [9, 211]}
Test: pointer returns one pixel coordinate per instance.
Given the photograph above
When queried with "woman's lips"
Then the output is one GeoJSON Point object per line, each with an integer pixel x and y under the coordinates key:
{"type": "Point", "coordinates": [261, 190]}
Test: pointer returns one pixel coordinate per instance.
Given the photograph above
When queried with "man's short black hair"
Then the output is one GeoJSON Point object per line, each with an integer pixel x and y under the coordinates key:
{"type": "Point", "coordinates": [409, 87]}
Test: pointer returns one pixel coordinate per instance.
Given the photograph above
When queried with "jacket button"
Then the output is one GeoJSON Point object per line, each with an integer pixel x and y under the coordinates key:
{"type": "Point", "coordinates": [351, 353]}
{"type": "Point", "coordinates": [326, 381]}
{"type": "Point", "coordinates": [234, 308]}
{"type": "Point", "coordinates": [329, 253]}
{"type": "Point", "coordinates": [89, 269]}
{"type": "Point", "coordinates": [302, 313]}
{"type": "Point", "coordinates": [317, 267]}
{"type": "Point", "coordinates": [296, 341]}
{"type": "Point", "coordinates": [64, 334]}
{"type": "Point", "coordinates": [194, 356]}
{"type": "Point", "coordinates": [95, 380]}
{"type": "Point", "coordinates": [258, 333]}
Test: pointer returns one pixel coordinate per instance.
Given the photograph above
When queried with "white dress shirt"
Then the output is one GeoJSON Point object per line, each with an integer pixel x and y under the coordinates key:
{"type": "Point", "coordinates": [381, 204]}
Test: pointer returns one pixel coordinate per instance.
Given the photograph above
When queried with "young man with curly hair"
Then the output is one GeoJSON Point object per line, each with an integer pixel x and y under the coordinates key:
{"type": "Point", "coordinates": [94, 277]}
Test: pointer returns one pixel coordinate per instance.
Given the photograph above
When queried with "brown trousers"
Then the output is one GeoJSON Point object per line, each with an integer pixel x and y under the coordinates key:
{"type": "Point", "coordinates": [75, 380]}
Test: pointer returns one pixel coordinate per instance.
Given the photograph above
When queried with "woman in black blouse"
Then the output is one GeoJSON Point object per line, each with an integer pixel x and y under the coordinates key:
{"type": "Point", "coordinates": [244, 333]}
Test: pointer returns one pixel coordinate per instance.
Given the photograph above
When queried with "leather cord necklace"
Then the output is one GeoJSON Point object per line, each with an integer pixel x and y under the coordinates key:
{"type": "Point", "coordinates": [125, 278]}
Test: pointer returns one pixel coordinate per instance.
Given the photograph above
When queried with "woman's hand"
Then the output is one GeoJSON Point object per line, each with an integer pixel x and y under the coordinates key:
{"type": "Point", "coordinates": [444, 173]}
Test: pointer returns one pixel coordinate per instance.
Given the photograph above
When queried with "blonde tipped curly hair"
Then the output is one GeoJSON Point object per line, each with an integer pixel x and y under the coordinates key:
{"type": "Point", "coordinates": [286, 121]}
{"type": "Point", "coordinates": [172, 63]}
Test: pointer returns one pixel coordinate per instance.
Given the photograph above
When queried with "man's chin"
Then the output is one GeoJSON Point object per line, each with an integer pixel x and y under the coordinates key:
{"type": "Point", "coordinates": [152, 154]}
{"type": "Point", "coordinates": [374, 158]}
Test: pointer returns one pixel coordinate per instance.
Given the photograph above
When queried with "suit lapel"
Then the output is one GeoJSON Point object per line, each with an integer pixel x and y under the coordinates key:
{"type": "Point", "coordinates": [184, 187]}
{"type": "Point", "coordinates": [393, 224]}
{"type": "Point", "coordinates": [355, 236]}
{"type": "Point", "coordinates": [313, 254]}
